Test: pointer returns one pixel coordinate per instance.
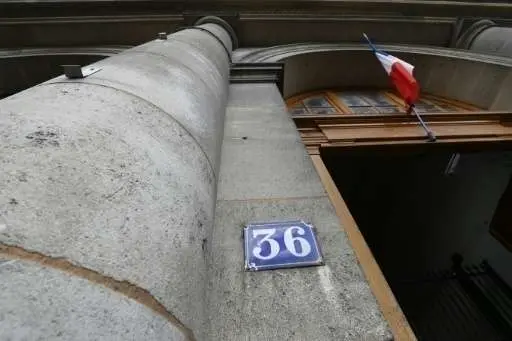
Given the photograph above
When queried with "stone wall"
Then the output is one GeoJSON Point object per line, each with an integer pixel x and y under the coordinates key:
{"type": "Point", "coordinates": [266, 174]}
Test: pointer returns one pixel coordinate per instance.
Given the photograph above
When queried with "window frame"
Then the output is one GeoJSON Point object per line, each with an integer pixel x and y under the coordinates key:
{"type": "Point", "coordinates": [333, 99]}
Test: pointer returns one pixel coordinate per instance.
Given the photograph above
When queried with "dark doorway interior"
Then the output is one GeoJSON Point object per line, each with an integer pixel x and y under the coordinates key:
{"type": "Point", "coordinates": [425, 213]}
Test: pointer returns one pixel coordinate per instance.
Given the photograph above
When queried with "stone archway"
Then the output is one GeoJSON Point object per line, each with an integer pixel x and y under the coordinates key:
{"type": "Point", "coordinates": [478, 79]}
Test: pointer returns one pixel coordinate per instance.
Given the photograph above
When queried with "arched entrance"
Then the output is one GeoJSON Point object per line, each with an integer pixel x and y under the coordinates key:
{"type": "Point", "coordinates": [399, 197]}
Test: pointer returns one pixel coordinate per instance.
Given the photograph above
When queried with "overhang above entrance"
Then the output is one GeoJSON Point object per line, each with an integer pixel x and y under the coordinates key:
{"type": "Point", "coordinates": [481, 80]}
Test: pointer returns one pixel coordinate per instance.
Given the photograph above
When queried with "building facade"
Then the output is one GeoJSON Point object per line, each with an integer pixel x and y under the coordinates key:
{"type": "Point", "coordinates": [125, 189]}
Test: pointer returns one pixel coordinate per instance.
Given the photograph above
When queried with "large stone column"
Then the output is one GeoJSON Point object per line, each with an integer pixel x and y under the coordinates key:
{"type": "Point", "coordinates": [485, 36]}
{"type": "Point", "coordinates": [107, 194]}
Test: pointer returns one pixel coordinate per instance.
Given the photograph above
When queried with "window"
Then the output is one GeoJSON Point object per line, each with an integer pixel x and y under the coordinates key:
{"type": "Point", "coordinates": [366, 103]}
{"type": "Point", "coordinates": [314, 105]}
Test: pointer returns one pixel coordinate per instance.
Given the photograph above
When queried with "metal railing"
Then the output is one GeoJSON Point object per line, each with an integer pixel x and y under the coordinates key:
{"type": "Point", "coordinates": [466, 303]}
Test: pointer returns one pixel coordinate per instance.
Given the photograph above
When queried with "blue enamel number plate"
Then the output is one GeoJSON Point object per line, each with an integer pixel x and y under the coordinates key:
{"type": "Point", "coordinates": [275, 245]}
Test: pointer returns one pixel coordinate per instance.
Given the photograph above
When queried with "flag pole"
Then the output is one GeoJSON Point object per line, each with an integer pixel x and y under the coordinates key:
{"type": "Point", "coordinates": [430, 134]}
{"type": "Point", "coordinates": [374, 49]}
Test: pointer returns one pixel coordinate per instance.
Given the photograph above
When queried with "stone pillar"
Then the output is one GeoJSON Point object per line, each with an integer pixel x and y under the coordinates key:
{"type": "Point", "coordinates": [485, 36]}
{"type": "Point", "coordinates": [107, 193]}
{"type": "Point", "coordinates": [267, 175]}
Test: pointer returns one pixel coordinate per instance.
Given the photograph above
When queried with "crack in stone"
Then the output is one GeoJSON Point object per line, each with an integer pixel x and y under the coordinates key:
{"type": "Point", "coordinates": [6, 262]}
{"type": "Point", "coordinates": [125, 288]}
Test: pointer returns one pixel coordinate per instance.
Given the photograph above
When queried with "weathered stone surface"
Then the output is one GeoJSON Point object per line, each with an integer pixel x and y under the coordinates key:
{"type": "Point", "coordinates": [116, 172]}
{"type": "Point", "coordinates": [240, 53]}
{"type": "Point", "coordinates": [40, 303]}
{"type": "Point", "coordinates": [264, 123]}
{"type": "Point", "coordinates": [185, 76]}
{"type": "Point", "coordinates": [269, 176]}
{"type": "Point", "coordinates": [256, 96]}
{"type": "Point", "coordinates": [112, 184]}
{"type": "Point", "coordinates": [488, 82]}
{"type": "Point", "coordinates": [435, 76]}
{"type": "Point", "coordinates": [502, 99]}
{"type": "Point", "coordinates": [250, 169]}
{"type": "Point", "coordinates": [220, 31]}
{"type": "Point", "coordinates": [307, 72]}
{"type": "Point", "coordinates": [496, 40]}
{"type": "Point", "coordinates": [207, 47]}
{"type": "Point", "coordinates": [467, 81]}
{"type": "Point", "coordinates": [461, 75]}
{"type": "Point", "coordinates": [259, 146]}
{"type": "Point", "coordinates": [320, 303]}
{"type": "Point", "coordinates": [232, 216]}
{"type": "Point", "coordinates": [260, 143]}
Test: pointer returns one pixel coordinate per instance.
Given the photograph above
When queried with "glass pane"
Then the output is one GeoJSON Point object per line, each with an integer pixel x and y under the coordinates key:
{"type": "Point", "coordinates": [297, 105]}
{"type": "Point", "coordinates": [363, 110]}
{"type": "Point", "coordinates": [447, 107]}
{"type": "Point", "coordinates": [426, 108]}
{"type": "Point", "coordinates": [390, 110]}
{"type": "Point", "coordinates": [377, 99]}
{"type": "Point", "coordinates": [317, 102]}
{"type": "Point", "coordinates": [351, 99]}
{"type": "Point", "coordinates": [322, 111]}
{"type": "Point", "coordinates": [298, 111]}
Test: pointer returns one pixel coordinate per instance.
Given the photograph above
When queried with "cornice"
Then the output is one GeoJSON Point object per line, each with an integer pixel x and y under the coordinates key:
{"type": "Point", "coordinates": [279, 53]}
{"type": "Point", "coordinates": [105, 51]}
{"type": "Point", "coordinates": [400, 7]}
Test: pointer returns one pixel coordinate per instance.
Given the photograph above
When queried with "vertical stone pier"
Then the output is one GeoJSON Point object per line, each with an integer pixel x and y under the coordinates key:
{"type": "Point", "coordinates": [107, 193]}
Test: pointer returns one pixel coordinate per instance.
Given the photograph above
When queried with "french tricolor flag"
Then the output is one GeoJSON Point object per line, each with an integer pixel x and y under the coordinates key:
{"type": "Point", "coordinates": [400, 72]}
